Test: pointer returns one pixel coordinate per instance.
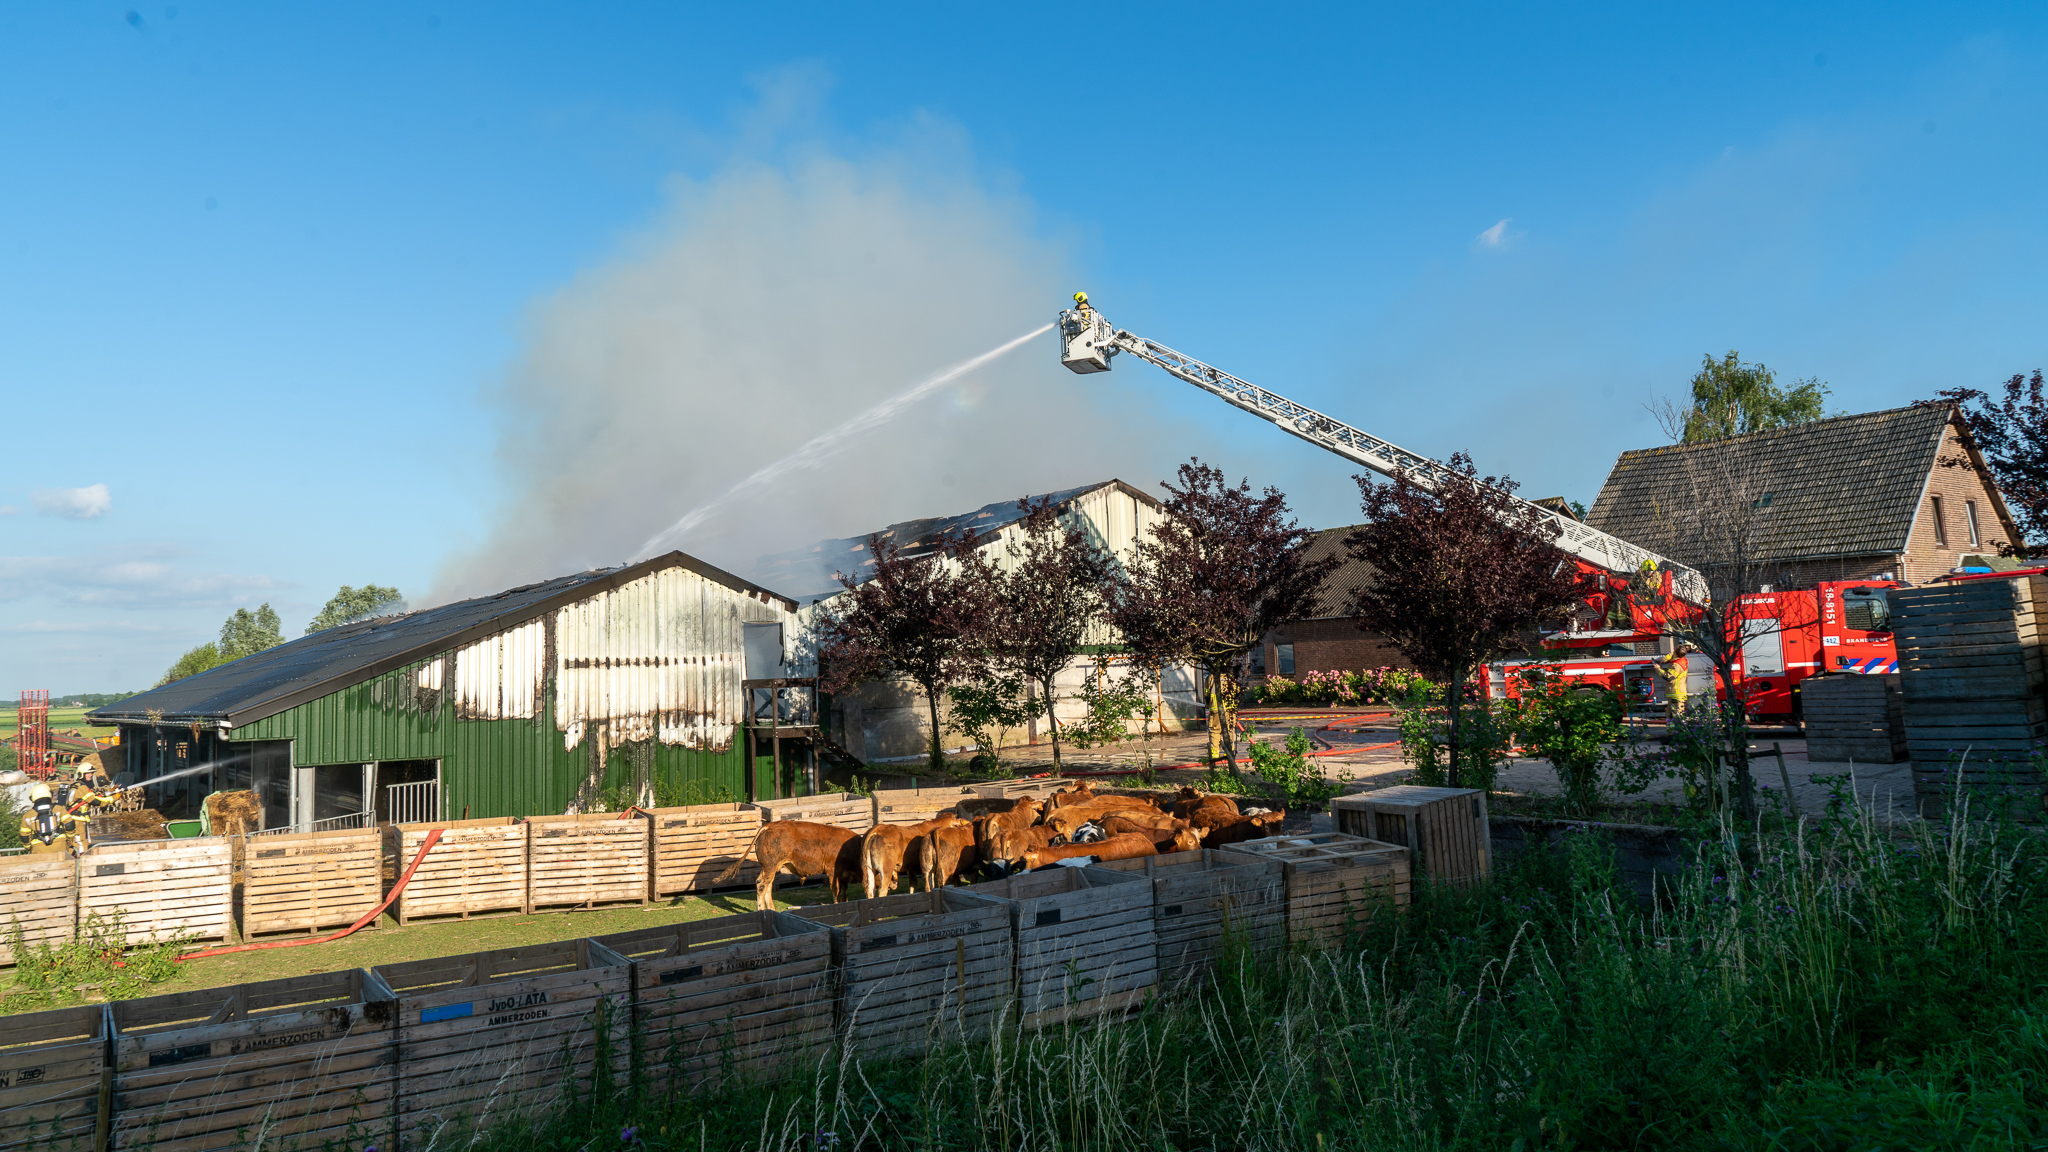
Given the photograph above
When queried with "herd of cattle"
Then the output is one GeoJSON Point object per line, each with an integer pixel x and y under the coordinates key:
{"type": "Point", "coordinates": [1074, 826]}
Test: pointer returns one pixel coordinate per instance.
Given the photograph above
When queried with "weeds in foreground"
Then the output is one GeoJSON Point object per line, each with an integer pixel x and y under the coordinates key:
{"type": "Point", "coordinates": [1858, 987]}
{"type": "Point", "coordinates": [50, 973]}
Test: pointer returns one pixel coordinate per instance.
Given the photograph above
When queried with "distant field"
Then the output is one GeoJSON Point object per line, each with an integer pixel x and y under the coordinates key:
{"type": "Point", "coordinates": [61, 719]}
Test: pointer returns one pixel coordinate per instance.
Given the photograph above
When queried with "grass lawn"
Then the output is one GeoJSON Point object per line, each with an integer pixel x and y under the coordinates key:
{"type": "Point", "coordinates": [388, 943]}
{"type": "Point", "coordinates": [61, 719]}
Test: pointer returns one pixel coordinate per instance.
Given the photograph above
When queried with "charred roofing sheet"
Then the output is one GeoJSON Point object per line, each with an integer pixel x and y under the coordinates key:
{"type": "Point", "coordinates": [1845, 486]}
{"type": "Point", "coordinates": [283, 677]}
{"type": "Point", "coordinates": [815, 568]}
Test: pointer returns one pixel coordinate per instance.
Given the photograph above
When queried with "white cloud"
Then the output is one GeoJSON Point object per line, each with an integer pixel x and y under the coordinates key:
{"type": "Point", "coordinates": [1493, 237]}
{"type": "Point", "coordinates": [74, 503]}
{"type": "Point", "coordinates": [9, 509]}
{"type": "Point", "coordinates": [146, 577]}
{"type": "Point", "coordinates": [90, 627]}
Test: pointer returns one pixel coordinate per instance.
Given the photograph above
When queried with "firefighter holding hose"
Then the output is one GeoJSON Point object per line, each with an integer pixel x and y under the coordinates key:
{"type": "Point", "coordinates": [47, 822]}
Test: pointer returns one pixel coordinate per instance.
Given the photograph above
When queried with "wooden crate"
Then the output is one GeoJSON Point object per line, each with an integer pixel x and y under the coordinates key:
{"type": "Point", "coordinates": [1201, 899]}
{"type": "Point", "coordinates": [840, 809]}
{"type": "Point", "coordinates": [162, 889]}
{"type": "Point", "coordinates": [278, 1063]}
{"type": "Point", "coordinates": [916, 805]}
{"type": "Point", "coordinates": [731, 1000]}
{"type": "Point", "coordinates": [53, 1089]}
{"type": "Point", "coordinates": [1444, 829]}
{"type": "Point", "coordinates": [1085, 941]}
{"type": "Point", "coordinates": [1852, 717]}
{"type": "Point", "coordinates": [479, 866]}
{"type": "Point", "coordinates": [39, 892]}
{"type": "Point", "coordinates": [694, 844]}
{"type": "Point", "coordinates": [307, 881]}
{"type": "Point", "coordinates": [920, 969]}
{"type": "Point", "coordinates": [1334, 881]}
{"type": "Point", "coordinates": [1037, 788]}
{"type": "Point", "coordinates": [505, 1036]}
{"type": "Point", "coordinates": [584, 861]}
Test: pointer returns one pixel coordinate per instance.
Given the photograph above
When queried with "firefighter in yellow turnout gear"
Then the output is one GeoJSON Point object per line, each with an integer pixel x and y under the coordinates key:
{"type": "Point", "coordinates": [1672, 670]}
{"type": "Point", "coordinates": [47, 823]}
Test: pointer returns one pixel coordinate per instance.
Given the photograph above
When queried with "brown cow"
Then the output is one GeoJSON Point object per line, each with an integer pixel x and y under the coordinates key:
{"type": "Point", "coordinates": [1188, 802]}
{"type": "Point", "coordinates": [1022, 814]}
{"type": "Point", "coordinates": [1065, 820]}
{"type": "Point", "coordinates": [949, 852]}
{"type": "Point", "coordinates": [1010, 844]}
{"type": "Point", "coordinates": [889, 850]}
{"type": "Point", "coordinates": [1079, 794]}
{"type": "Point", "coordinates": [1128, 846]}
{"type": "Point", "coordinates": [804, 849]}
{"type": "Point", "coordinates": [1243, 828]}
{"type": "Point", "coordinates": [1168, 834]}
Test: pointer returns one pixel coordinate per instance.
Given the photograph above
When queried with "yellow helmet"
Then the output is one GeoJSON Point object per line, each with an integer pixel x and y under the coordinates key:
{"type": "Point", "coordinates": [38, 791]}
{"type": "Point", "coordinates": [1080, 297]}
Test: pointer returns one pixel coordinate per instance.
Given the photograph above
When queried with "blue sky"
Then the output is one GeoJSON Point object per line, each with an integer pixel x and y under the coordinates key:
{"type": "Point", "coordinates": [455, 297]}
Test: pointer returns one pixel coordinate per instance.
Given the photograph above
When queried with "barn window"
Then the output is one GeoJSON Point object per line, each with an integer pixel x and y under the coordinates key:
{"type": "Point", "coordinates": [1283, 655]}
{"type": "Point", "coordinates": [1970, 519]}
{"type": "Point", "coordinates": [1940, 527]}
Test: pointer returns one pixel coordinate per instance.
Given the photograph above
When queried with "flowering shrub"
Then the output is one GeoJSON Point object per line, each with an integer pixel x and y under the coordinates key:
{"type": "Point", "coordinates": [1381, 685]}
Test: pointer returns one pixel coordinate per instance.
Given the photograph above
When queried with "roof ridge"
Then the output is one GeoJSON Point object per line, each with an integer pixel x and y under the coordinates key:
{"type": "Point", "coordinates": [1804, 426]}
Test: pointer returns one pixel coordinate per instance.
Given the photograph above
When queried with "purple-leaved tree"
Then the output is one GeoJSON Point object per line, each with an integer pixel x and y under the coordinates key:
{"type": "Point", "coordinates": [1463, 571]}
{"type": "Point", "coordinates": [1224, 566]}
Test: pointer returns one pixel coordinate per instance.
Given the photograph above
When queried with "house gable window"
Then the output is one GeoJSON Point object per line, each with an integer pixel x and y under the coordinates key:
{"type": "Point", "coordinates": [1940, 525]}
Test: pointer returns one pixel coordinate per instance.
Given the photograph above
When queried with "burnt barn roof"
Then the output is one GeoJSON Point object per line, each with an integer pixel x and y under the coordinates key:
{"type": "Point", "coordinates": [271, 681]}
{"type": "Point", "coordinates": [813, 570]}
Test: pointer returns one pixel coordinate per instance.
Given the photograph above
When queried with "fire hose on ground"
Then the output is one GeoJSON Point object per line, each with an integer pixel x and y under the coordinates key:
{"type": "Point", "coordinates": [433, 837]}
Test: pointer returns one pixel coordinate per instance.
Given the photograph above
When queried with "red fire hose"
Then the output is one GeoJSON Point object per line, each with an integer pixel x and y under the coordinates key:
{"type": "Point", "coordinates": [433, 837]}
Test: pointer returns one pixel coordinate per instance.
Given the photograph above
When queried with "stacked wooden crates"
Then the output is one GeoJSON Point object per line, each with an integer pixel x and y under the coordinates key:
{"type": "Point", "coordinates": [1854, 717]}
{"type": "Point", "coordinates": [1335, 882]}
{"type": "Point", "coordinates": [1972, 672]}
{"type": "Point", "coordinates": [1444, 829]}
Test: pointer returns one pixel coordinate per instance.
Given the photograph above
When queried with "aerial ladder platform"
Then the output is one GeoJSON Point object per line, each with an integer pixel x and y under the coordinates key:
{"type": "Point", "coordinates": [1088, 342]}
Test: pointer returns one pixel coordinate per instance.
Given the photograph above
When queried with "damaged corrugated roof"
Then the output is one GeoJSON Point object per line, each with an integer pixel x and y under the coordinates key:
{"type": "Point", "coordinates": [814, 569]}
{"type": "Point", "coordinates": [290, 674]}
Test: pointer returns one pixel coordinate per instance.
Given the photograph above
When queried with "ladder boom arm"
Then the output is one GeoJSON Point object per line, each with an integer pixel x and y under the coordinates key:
{"type": "Point", "coordinates": [1088, 341]}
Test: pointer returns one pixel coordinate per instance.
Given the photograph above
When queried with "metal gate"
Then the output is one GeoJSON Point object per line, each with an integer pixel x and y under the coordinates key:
{"type": "Point", "coordinates": [416, 803]}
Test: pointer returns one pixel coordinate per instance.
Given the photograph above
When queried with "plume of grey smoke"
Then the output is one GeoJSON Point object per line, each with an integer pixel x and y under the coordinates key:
{"type": "Point", "coordinates": [773, 303]}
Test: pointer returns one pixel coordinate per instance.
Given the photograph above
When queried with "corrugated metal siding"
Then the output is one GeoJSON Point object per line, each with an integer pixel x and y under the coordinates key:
{"type": "Point", "coordinates": [654, 663]}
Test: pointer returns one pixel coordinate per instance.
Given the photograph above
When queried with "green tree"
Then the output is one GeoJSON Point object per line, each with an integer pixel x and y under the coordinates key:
{"type": "Point", "coordinates": [192, 663]}
{"type": "Point", "coordinates": [352, 604]}
{"type": "Point", "coordinates": [247, 633]}
{"type": "Point", "coordinates": [1730, 398]}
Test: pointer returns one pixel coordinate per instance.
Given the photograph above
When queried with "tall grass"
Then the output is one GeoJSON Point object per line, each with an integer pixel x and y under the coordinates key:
{"type": "Point", "coordinates": [1859, 987]}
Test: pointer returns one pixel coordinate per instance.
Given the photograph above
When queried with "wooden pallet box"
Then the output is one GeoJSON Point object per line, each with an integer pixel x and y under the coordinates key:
{"type": "Point", "coordinates": [162, 889]}
{"type": "Point", "coordinates": [278, 1063]}
{"type": "Point", "coordinates": [1854, 717]}
{"type": "Point", "coordinates": [38, 893]}
{"type": "Point", "coordinates": [304, 882]}
{"type": "Point", "coordinates": [1975, 689]}
{"type": "Point", "coordinates": [53, 1079]}
{"type": "Point", "coordinates": [1086, 945]}
{"type": "Point", "coordinates": [920, 969]}
{"type": "Point", "coordinates": [731, 1000]}
{"type": "Point", "coordinates": [1444, 829]}
{"type": "Point", "coordinates": [848, 810]}
{"type": "Point", "coordinates": [916, 805]}
{"type": "Point", "coordinates": [478, 867]}
{"type": "Point", "coordinates": [1334, 882]}
{"type": "Point", "coordinates": [505, 1036]}
{"type": "Point", "coordinates": [585, 861]}
{"type": "Point", "coordinates": [1204, 899]}
{"type": "Point", "coordinates": [1037, 788]}
{"type": "Point", "coordinates": [694, 844]}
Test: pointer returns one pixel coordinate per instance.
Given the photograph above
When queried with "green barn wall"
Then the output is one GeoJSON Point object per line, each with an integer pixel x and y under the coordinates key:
{"type": "Point", "coordinates": [492, 767]}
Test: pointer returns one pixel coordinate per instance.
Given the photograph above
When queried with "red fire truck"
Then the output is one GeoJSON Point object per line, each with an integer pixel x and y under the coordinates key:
{"type": "Point", "coordinates": [1789, 635]}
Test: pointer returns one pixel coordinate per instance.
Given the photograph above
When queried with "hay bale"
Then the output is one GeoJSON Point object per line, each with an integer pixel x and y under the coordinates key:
{"type": "Point", "coordinates": [147, 824]}
{"type": "Point", "coordinates": [234, 813]}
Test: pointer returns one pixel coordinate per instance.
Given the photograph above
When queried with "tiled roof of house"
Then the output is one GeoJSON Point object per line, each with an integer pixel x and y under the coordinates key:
{"type": "Point", "coordinates": [1844, 486]}
{"type": "Point", "coordinates": [1351, 576]}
